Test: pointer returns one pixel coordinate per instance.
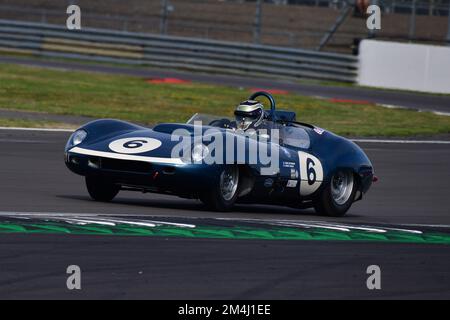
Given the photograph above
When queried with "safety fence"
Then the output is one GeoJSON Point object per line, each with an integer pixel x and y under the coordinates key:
{"type": "Point", "coordinates": [221, 57]}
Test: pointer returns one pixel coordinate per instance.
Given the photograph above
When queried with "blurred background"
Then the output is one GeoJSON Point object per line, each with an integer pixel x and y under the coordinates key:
{"type": "Point", "coordinates": [319, 40]}
{"type": "Point", "coordinates": [326, 25]}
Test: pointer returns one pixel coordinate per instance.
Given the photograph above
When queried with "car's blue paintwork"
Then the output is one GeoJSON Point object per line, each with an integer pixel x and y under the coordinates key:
{"type": "Point", "coordinates": [188, 180]}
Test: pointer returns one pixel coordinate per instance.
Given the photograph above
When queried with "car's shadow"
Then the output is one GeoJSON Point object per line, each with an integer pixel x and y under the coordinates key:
{"type": "Point", "coordinates": [195, 205]}
{"type": "Point", "coordinates": [186, 205]}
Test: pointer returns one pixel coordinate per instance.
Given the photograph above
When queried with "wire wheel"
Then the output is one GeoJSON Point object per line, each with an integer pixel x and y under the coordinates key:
{"type": "Point", "coordinates": [342, 187]}
{"type": "Point", "coordinates": [229, 180]}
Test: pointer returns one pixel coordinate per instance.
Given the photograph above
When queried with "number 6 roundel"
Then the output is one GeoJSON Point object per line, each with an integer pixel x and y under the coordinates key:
{"type": "Point", "coordinates": [134, 145]}
{"type": "Point", "coordinates": [311, 173]}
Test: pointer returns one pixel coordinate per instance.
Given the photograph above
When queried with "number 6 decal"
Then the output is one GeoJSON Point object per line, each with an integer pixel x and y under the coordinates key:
{"type": "Point", "coordinates": [311, 173]}
{"type": "Point", "coordinates": [134, 145]}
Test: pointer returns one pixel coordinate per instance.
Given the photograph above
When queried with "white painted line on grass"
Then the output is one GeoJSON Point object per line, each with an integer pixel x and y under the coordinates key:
{"type": "Point", "coordinates": [441, 113]}
{"type": "Point", "coordinates": [391, 106]}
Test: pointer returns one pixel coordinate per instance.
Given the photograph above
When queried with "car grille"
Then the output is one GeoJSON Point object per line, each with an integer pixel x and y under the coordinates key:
{"type": "Point", "coordinates": [122, 165]}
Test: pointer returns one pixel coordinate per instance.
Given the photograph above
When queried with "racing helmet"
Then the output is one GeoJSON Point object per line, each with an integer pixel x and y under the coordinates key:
{"type": "Point", "coordinates": [249, 114]}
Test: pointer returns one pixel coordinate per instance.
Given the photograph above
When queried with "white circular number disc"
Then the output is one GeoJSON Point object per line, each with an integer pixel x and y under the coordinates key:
{"type": "Point", "coordinates": [311, 173]}
{"type": "Point", "coordinates": [134, 145]}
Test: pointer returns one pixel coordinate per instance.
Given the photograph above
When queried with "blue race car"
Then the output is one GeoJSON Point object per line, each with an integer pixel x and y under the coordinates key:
{"type": "Point", "coordinates": [260, 156]}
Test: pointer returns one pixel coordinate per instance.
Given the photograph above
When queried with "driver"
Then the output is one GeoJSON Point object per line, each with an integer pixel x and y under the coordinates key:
{"type": "Point", "coordinates": [249, 114]}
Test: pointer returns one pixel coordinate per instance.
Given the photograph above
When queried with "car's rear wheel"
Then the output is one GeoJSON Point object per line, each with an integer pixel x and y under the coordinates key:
{"type": "Point", "coordinates": [101, 189]}
{"type": "Point", "coordinates": [337, 197]}
{"type": "Point", "coordinates": [223, 194]}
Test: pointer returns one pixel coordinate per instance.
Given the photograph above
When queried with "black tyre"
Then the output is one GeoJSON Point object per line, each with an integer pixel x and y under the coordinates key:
{"type": "Point", "coordinates": [337, 197]}
{"type": "Point", "coordinates": [223, 195]}
{"type": "Point", "coordinates": [101, 189]}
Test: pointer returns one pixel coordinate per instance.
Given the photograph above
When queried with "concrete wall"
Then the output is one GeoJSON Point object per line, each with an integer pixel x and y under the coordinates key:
{"type": "Point", "coordinates": [404, 66]}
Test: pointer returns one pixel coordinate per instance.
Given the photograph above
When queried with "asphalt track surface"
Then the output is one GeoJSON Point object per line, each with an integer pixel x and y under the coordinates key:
{"type": "Point", "coordinates": [418, 101]}
{"type": "Point", "coordinates": [413, 189]}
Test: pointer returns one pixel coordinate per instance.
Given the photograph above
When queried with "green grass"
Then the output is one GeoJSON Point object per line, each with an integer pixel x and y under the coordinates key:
{"type": "Point", "coordinates": [24, 123]}
{"type": "Point", "coordinates": [133, 99]}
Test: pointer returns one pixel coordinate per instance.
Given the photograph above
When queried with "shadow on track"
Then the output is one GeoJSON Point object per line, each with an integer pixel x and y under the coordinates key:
{"type": "Point", "coordinates": [197, 206]}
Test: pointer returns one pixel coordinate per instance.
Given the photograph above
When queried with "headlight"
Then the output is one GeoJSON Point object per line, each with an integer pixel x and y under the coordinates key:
{"type": "Point", "coordinates": [78, 137]}
{"type": "Point", "coordinates": [199, 152]}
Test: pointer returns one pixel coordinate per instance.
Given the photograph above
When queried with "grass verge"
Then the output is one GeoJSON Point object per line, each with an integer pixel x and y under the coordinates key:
{"type": "Point", "coordinates": [130, 98]}
{"type": "Point", "coordinates": [22, 123]}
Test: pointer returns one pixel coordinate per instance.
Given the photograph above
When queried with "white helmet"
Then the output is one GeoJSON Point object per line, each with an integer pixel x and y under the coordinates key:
{"type": "Point", "coordinates": [249, 113]}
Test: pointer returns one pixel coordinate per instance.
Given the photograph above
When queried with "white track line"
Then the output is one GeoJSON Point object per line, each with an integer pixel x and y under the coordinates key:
{"type": "Point", "coordinates": [36, 129]}
{"type": "Point", "coordinates": [113, 217]}
{"type": "Point", "coordinates": [354, 140]}
{"type": "Point", "coordinates": [401, 141]}
{"type": "Point", "coordinates": [86, 218]}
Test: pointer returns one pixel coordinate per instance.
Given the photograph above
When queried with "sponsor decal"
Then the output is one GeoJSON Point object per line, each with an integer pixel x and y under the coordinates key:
{"type": "Point", "coordinates": [319, 130]}
{"type": "Point", "coordinates": [294, 174]}
{"type": "Point", "coordinates": [288, 164]}
{"type": "Point", "coordinates": [268, 183]}
{"type": "Point", "coordinates": [291, 184]}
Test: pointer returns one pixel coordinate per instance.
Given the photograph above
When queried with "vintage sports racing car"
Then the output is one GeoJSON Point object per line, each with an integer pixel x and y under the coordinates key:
{"type": "Point", "coordinates": [310, 167]}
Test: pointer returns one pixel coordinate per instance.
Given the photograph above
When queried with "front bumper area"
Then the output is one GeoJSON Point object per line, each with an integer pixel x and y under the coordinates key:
{"type": "Point", "coordinates": [186, 180]}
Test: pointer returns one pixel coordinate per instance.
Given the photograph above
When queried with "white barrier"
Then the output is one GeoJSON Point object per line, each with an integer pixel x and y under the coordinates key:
{"type": "Point", "coordinates": [404, 66]}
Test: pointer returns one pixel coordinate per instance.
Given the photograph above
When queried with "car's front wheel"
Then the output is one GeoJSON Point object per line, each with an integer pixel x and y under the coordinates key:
{"type": "Point", "coordinates": [338, 195]}
{"type": "Point", "coordinates": [101, 189]}
{"type": "Point", "coordinates": [224, 192]}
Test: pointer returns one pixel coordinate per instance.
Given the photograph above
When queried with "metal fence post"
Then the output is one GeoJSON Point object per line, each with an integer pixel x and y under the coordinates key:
{"type": "Point", "coordinates": [412, 21]}
{"type": "Point", "coordinates": [448, 27]}
{"type": "Point", "coordinates": [339, 21]}
{"type": "Point", "coordinates": [163, 21]}
{"type": "Point", "coordinates": [257, 26]}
